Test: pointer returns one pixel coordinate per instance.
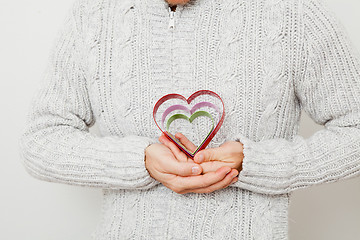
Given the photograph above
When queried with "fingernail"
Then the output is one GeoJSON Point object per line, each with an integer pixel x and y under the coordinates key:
{"type": "Point", "coordinates": [195, 170]}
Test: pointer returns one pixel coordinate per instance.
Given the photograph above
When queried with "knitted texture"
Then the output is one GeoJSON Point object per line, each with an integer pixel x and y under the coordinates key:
{"type": "Point", "coordinates": [267, 59]}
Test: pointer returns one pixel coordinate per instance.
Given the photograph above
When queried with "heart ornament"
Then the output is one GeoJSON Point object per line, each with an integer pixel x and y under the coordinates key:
{"type": "Point", "coordinates": [195, 112]}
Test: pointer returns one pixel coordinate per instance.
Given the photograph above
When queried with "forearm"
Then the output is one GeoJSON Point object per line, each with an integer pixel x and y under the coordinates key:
{"type": "Point", "coordinates": [72, 156]}
{"type": "Point", "coordinates": [278, 166]}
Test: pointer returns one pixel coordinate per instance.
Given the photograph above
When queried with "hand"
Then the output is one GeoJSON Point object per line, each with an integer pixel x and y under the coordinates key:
{"type": "Point", "coordinates": [228, 154]}
{"type": "Point", "coordinates": [176, 174]}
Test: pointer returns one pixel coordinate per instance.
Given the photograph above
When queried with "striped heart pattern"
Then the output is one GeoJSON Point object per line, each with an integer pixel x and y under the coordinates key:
{"type": "Point", "coordinates": [194, 113]}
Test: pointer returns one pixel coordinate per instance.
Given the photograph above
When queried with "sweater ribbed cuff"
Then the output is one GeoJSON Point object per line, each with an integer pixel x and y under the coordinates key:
{"type": "Point", "coordinates": [263, 166]}
{"type": "Point", "coordinates": [134, 171]}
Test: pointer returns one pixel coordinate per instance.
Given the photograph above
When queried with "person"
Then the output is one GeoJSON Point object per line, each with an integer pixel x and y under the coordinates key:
{"type": "Point", "coordinates": [267, 59]}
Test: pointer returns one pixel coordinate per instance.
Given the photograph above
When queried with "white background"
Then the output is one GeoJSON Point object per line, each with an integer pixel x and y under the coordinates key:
{"type": "Point", "coordinates": [35, 210]}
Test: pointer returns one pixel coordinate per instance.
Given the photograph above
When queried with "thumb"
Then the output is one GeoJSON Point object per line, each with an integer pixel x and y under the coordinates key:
{"type": "Point", "coordinates": [210, 154]}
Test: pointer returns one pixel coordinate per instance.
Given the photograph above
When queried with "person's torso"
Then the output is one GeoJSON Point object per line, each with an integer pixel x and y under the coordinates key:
{"type": "Point", "coordinates": [248, 52]}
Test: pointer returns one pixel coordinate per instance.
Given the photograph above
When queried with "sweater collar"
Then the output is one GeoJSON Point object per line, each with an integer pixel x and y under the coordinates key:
{"type": "Point", "coordinates": [162, 6]}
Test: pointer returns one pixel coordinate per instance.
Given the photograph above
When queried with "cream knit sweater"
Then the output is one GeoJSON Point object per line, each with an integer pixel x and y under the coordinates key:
{"type": "Point", "coordinates": [267, 59]}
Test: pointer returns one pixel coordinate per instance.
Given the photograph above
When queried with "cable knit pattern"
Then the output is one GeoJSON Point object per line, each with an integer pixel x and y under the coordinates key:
{"type": "Point", "coordinates": [329, 91]}
{"type": "Point", "coordinates": [272, 54]}
{"type": "Point", "coordinates": [267, 59]}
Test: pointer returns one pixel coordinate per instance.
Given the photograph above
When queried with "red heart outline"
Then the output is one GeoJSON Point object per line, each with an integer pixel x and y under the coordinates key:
{"type": "Point", "coordinates": [189, 100]}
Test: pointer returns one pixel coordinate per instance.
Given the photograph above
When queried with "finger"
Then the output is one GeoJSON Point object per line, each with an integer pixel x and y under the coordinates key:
{"type": "Point", "coordinates": [209, 154]}
{"type": "Point", "coordinates": [173, 167]}
{"type": "Point", "coordinates": [229, 179]}
{"type": "Point", "coordinates": [212, 166]}
{"type": "Point", "coordinates": [186, 142]}
{"type": "Point", "coordinates": [180, 155]}
{"type": "Point", "coordinates": [180, 168]}
{"type": "Point", "coordinates": [200, 181]}
{"type": "Point", "coordinates": [183, 169]}
{"type": "Point", "coordinates": [190, 160]}
{"type": "Point", "coordinates": [234, 180]}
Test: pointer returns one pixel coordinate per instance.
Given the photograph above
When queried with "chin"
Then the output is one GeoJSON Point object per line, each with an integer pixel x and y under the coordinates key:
{"type": "Point", "coordinates": [177, 2]}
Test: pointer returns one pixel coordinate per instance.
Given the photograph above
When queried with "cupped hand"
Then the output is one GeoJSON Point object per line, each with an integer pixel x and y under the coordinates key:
{"type": "Point", "coordinates": [229, 154]}
{"type": "Point", "coordinates": [177, 173]}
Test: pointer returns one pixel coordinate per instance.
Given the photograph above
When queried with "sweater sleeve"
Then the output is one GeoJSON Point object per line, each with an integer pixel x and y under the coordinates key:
{"type": "Point", "coordinates": [56, 144]}
{"type": "Point", "coordinates": [329, 92]}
